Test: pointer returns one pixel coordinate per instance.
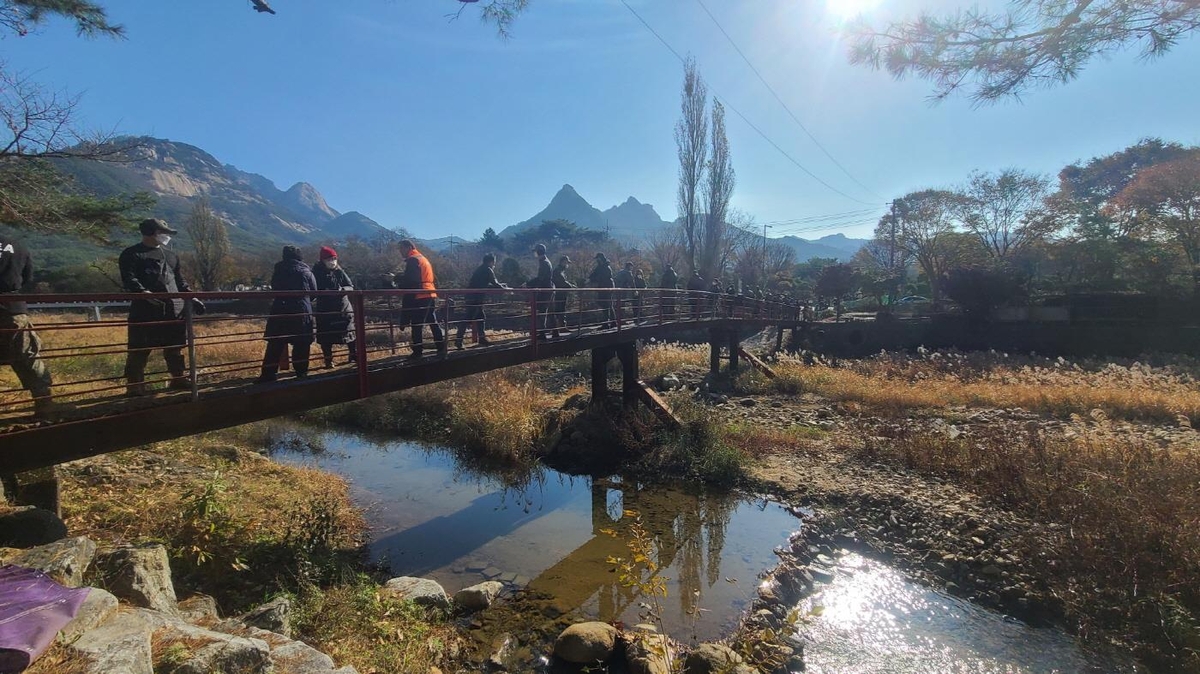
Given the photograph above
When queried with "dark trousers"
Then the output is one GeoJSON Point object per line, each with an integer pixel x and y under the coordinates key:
{"type": "Point", "coordinates": [418, 314]}
{"type": "Point", "coordinates": [327, 352]}
{"type": "Point", "coordinates": [475, 318]}
{"type": "Point", "coordinates": [277, 347]}
{"type": "Point", "coordinates": [135, 363]}
{"type": "Point", "coordinates": [559, 317]}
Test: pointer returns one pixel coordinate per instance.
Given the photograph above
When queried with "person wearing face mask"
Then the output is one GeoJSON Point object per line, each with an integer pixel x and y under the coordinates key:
{"type": "Point", "coordinates": [335, 316]}
{"type": "Point", "coordinates": [150, 267]}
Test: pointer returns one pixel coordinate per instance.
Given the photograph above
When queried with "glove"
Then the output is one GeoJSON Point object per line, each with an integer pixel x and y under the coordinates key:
{"type": "Point", "coordinates": [198, 307]}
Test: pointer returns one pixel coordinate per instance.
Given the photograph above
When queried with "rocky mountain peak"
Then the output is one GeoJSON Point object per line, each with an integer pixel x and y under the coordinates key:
{"type": "Point", "coordinates": [306, 200]}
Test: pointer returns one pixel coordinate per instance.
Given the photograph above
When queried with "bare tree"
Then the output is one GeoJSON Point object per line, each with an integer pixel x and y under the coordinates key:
{"type": "Point", "coordinates": [716, 190]}
{"type": "Point", "coordinates": [665, 247]}
{"type": "Point", "coordinates": [210, 241]}
{"type": "Point", "coordinates": [1005, 210]}
{"type": "Point", "coordinates": [691, 136]}
{"type": "Point", "coordinates": [1032, 43]}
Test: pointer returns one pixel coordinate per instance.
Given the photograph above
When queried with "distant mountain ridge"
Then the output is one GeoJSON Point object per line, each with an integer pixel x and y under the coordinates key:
{"type": "Point", "coordinates": [632, 221]}
{"type": "Point", "coordinates": [259, 214]}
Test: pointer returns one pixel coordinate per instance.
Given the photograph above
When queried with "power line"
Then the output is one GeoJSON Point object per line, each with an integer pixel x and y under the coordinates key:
{"type": "Point", "coordinates": [784, 105]}
{"type": "Point", "coordinates": [828, 216]}
{"type": "Point", "coordinates": [745, 119]}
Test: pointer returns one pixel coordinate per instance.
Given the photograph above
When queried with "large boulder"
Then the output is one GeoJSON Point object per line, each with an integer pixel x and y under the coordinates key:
{"type": "Point", "coordinates": [420, 591]}
{"type": "Point", "coordinates": [199, 608]}
{"type": "Point", "coordinates": [140, 575]}
{"type": "Point", "coordinates": [29, 526]}
{"type": "Point", "coordinates": [186, 649]}
{"type": "Point", "coordinates": [715, 659]}
{"type": "Point", "coordinates": [98, 607]}
{"type": "Point", "coordinates": [586, 643]}
{"type": "Point", "coordinates": [120, 646]}
{"type": "Point", "coordinates": [273, 616]}
{"type": "Point", "coordinates": [65, 561]}
{"type": "Point", "coordinates": [478, 597]}
{"type": "Point", "coordinates": [287, 656]}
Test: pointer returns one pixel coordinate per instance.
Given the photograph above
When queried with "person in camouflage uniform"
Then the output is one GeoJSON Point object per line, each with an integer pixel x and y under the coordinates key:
{"type": "Point", "coordinates": [19, 344]}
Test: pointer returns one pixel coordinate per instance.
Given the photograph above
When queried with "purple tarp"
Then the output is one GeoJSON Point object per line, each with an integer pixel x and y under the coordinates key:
{"type": "Point", "coordinates": [33, 608]}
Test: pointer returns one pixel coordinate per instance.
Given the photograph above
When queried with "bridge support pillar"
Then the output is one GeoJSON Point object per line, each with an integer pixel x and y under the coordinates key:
{"type": "Point", "coordinates": [734, 348]}
{"type": "Point", "coordinates": [35, 488]}
{"type": "Point", "coordinates": [628, 355]}
{"type": "Point", "coordinates": [714, 352]}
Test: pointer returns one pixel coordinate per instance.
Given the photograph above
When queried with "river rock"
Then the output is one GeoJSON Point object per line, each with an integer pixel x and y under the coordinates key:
{"type": "Point", "coordinates": [141, 575]}
{"type": "Point", "coordinates": [420, 591]}
{"type": "Point", "coordinates": [98, 607]}
{"type": "Point", "coordinates": [669, 382]}
{"type": "Point", "coordinates": [478, 597]}
{"type": "Point", "coordinates": [715, 659]}
{"type": "Point", "coordinates": [65, 561]}
{"type": "Point", "coordinates": [120, 646]}
{"type": "Point", "coordinates": [208, 651]}
{"type": "Point", "coordinates": [199, 608]}
{"type": "Point", "coordinates": [648, 653]}
{"type": "Point", "coordinates": [586, 643]}
{"type": "Point", "coordinates": [273, 616]}
{"type": "Point", "coordinates": [29, 526]}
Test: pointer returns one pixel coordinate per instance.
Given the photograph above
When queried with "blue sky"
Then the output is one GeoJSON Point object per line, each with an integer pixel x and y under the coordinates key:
{"type": "Point", "coordinates": [389, 108]}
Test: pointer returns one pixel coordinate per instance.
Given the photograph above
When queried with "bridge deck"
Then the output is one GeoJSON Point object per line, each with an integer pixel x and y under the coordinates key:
{"type": "Point", "coordinates": [95, 423]}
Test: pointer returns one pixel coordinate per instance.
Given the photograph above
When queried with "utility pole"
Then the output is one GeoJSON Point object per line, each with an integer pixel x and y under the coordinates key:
{"type": "Point", "coordinates": [895, 285]}
{"type": "Point", "coordinates": [764, 254]}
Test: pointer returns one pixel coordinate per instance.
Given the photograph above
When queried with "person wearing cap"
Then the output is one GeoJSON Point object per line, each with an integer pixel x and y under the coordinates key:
{"type": "Point", "coordinates": [543, 279]}
{"type": "Point", "coordinates": [418, 308]}
{"type": "Point", "coordinates": [669, 281]}
{"type": "Point", "coordinates": [483, 277]}
{"type": "Point", "coordinates": [560, 298]}
{"type": "Point", "coordinates": [291, 319]}
{"type": "Point", "coordinates": [602, 277]}
{"type": "Point", "coordinates": [639, 284]}
{"type": "Point", "coordinates": [150, 267]}
{"type": "Point", "coordinates": [19, 344]}
{"type": "Point", "coordinates": [335, 316]}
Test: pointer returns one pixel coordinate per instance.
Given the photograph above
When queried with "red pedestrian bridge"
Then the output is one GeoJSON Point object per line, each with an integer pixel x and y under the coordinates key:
{"type": "Point", "coordinates": [84, 345]}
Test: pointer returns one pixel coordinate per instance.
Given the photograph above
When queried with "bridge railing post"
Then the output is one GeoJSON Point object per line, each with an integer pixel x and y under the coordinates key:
{"type": "Point", "coordinates": [360, 342]}
{"type": "Point", "coordinates": [533, 320]}
{"type": "Point", "coordinates": [190, 327]}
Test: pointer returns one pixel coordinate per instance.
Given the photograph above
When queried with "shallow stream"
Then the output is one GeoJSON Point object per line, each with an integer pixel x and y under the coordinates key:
{"type": "Point", "coordinates": [433, 517]}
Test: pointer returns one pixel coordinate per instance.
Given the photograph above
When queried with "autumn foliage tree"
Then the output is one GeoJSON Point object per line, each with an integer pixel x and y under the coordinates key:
{"type": "Point", "coordinates": [1163, 201]}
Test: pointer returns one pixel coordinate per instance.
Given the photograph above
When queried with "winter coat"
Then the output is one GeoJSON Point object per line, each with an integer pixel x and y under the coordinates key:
{"type": "Point", "coordinates": [16, 272]}
{"type": "Point", "coordinates": [545, 275]}
{"type": "Point", "coordinates": [335, 316]}
{"type": "Point", "coordinates": [154, 270]}
{"type": "Point", "coordinates": [483, 277]}
{"type": "Point", "coordinates": [291, 317]}
{"type": "Point", "coordinates": [669, 279]}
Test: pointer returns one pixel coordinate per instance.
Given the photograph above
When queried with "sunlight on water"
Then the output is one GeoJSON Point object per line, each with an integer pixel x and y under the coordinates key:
{"type": "Point", "coordinates": [875, 621]}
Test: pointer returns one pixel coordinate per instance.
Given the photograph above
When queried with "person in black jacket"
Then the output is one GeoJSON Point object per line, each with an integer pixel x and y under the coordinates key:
{"type": "Point", "coordinates": [696, 283]}
{"type": "Point", "coordinates": [150, 267]}
{"type": "Point", "coordinates": [484, 277]}
{"type": "Point", "coordinates": [335, 316]}
{"type": "Point", "coordinates": [602, 277]}
{"type": "Point", "coordinates": [669, 281]}
{"type": "Point", "coordinates": [291, 320]}
{"type": "Point", "coordinates": [560, 298]}
{"type": "Point", "coordinates": [19, 344]}
{"type": "Point", "coordinates": [639, 284]}
{"type": "Point", "coordinates": [543, 279]}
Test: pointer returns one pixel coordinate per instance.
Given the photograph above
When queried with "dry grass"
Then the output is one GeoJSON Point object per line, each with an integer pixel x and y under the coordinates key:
{"type": "Point", "coordinates": [224, 512]}
{"type": "Point", "coordinates": [355, 624]}
{"type": "Point", "coordinates": [660, 359]}
{"type": "Point", "coordinates": [60, 660]}
{"type": "Point", "coordinates": [1131, 554]}
{"type": "Point", "coordinates": [894, 384]}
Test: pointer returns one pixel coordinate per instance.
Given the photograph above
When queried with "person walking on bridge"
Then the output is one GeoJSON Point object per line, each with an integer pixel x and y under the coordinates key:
{"type": "Point", "coordinates": [543, 279]}
{"type": "Point", "coordinates": [19, 344]}
{"type": "Point", "coordinates": [418, 308]}
{"type": "Point", "coordinates": [669, 282]}
{"type": "Point", "coordinates": [624, 279]}
{"type": "Point", "coordinates": [639, 284]}
{"type": "Point", "coordinates": [150, 267]}
{"type": "Point", "coordinates": [335, 316]}
{"type": "Point", "coordinates": [696, 284]}
{"type": "Point", "coordinates": [602, 277]}
{"type": "Point", "coordinates": [484, 277]}
{"type": "Point", "coordinates": [291, 319]}
{"type": "Point", "coordinates": [560, 298]}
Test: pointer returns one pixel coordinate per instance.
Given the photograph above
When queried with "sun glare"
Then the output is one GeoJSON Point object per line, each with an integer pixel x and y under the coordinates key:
{"type": "Point", "coordinates": [849, 9]}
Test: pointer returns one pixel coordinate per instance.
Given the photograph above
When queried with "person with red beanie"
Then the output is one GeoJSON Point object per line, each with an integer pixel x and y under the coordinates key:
{"type": "Point", "coordinates": [335, 316]}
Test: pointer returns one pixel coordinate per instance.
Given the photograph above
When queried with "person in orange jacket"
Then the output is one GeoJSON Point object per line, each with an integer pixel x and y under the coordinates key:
{"type": "Point", "coordinates": [418, 308]}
